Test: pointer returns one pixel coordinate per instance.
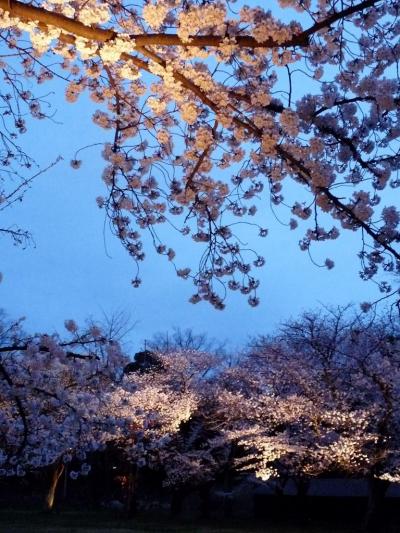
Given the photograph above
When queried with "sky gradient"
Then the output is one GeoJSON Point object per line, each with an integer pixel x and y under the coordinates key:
{"type": "Point", "coordinates": [76, 269]}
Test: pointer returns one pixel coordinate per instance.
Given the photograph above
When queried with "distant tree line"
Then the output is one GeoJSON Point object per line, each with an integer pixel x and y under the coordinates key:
{"type": "Point", "coordinates": [318, 398]}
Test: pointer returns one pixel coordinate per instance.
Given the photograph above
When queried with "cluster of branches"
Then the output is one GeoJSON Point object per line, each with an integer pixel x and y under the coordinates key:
{"type": "Point", "coordinates": [320, 397]}
{"type": "Point", "coordinates": [18, 169]}
{"type": "Point", "coordinates": [229, 109]}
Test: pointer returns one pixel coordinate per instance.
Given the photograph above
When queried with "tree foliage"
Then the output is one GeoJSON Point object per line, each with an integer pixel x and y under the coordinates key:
{"type": "Point", "coordinates": [212, 108]}
{"type": "Point", "coordinates": [319, 397]}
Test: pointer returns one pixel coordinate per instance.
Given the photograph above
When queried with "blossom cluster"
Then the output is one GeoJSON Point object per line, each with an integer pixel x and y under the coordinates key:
{"type": "Point", "coordinates": [246, 100]}
{"type": "Point", "coordinates": [320, 396]}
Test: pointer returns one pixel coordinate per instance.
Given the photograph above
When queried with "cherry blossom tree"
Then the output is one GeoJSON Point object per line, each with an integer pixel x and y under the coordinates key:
{"type": "Point", "coordinates": [62, 400]}
{"type": "Point", "coordinates": [153, 403]}
{"type": "Point", "coordinates": [192, 454]}
{"type": "Point", "coordinates": [346, 368]}
{"type": "Point", "coordinates": [319, 397]}
{"type": "Point", "coordinates": [148, 414]}
{"type": "Point", "coordinates": [52, 396]}
{"type": "Point", "coordinates": [212, 110]}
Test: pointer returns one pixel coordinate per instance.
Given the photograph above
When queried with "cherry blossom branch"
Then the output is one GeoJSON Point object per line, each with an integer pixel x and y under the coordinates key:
{"type": "Point", "coordinates": [243, 41]}
{"type": "Point", "coordinates": [18, 236]}
{"type": "Point", "coordinates": [8, 199]}
{"type": "Point", "coordinates": [340, 206]}
{"type": "Point", "coordinates": [339, 15]}
{"type": "Point", "coordinates": [304, 173]}
{"type": "Point", "coordinates": [302, 170]}
{"type": "Point", "coordinates": [43, 16]}
{"type": "Point", "coordinates": [245, 110]}
{"type": "Point", "coordinates": [203, 155]}
{"type": "Point", "coordinates": [24, 347]}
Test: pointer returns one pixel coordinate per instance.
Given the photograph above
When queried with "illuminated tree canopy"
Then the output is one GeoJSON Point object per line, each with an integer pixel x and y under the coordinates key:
{"type": "Point", "coordinates": [213, 108]}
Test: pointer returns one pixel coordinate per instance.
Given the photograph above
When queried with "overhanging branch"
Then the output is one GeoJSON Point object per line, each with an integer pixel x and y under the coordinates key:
{"type": "Point", "coordinates": [93, 33]}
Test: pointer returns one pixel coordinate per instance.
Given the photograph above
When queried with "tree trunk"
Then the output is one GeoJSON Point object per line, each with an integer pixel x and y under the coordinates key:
{"type": "Point", "coordinates": [176, 502]}
{"type": "Point", "coordinates": [227, 510]}
{"type": "Point", "coordinates": [65, 487]}
{"type": "Point", "coordinates": [376, 492]}
{"type": "Point", "coordinates": [302, 486]}
{"type": "Point", "coordinates": [205, 501]}
{"type": "Point", "coordinates": [131, 503]}
{"type": "Point", "coordinates": [56, 471]}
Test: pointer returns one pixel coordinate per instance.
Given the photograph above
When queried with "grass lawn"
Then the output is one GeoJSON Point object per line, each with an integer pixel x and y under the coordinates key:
{"type": "Point", "coordinates": [104, 521]}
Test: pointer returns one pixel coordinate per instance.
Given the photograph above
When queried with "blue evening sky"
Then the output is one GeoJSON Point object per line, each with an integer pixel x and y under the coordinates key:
{"type": "Point", "coordinates": [77, 269]}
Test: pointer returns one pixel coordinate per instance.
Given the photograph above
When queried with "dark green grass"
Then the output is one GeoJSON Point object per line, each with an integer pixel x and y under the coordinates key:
{"type": "Point", "coordinates": [17, 521]}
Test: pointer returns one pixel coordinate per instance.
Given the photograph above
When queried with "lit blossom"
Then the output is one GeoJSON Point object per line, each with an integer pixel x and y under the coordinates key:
{"type": "Point", "coordinates": [179, 132]}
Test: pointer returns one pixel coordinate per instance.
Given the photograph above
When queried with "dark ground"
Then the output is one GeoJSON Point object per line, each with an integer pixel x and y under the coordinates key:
{"type": "Point", "coordinates": [19, 521]}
